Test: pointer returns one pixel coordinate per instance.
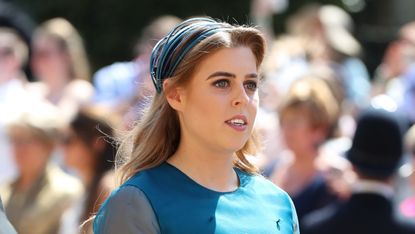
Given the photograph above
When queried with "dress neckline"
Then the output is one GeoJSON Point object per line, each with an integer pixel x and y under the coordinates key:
{"type": "Point", "coordinates": [242, 179]}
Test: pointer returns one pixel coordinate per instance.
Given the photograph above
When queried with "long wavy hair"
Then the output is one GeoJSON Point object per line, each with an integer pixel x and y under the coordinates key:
{"type": "Point", "coordinates": [156, 136]}
{"type": "Point", "coordinates": [89, 125]}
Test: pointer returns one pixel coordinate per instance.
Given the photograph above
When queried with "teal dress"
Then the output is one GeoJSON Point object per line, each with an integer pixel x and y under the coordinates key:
{"type": "Point", "coordinates": [165, 200]}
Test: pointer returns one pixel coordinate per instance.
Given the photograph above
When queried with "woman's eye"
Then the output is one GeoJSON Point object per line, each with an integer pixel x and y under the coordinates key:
{"type": "Point", "coordinates": [221, 83]}
{"type": "Point", "coordinates": [251, 85]}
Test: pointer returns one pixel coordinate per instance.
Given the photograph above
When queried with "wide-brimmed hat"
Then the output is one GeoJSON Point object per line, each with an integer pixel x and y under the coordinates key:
{"type": "Point", "coordinates": [338, 27]}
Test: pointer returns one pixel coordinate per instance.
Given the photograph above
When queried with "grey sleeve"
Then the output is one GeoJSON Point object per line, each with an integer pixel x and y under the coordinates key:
{"type": "Point", "coordinates": [127, 211]}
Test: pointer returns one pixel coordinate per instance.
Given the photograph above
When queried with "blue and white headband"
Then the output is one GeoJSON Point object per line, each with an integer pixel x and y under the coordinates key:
{"type": "Point", "coordinates": [171, 49]}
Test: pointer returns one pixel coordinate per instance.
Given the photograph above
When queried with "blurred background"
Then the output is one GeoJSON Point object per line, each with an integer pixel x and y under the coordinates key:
{"type": "Point", "coordinates": [110, 28]}
{"type": "Point", "coordinates": [74, 78]}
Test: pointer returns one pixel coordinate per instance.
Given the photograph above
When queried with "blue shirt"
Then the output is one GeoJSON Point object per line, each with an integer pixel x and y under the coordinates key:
{"type": "Point", "coordinates": [181, 205]}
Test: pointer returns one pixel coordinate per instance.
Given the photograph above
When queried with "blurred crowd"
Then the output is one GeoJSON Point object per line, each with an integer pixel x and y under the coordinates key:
{"type": "Point", "coordinates": [58, 133]}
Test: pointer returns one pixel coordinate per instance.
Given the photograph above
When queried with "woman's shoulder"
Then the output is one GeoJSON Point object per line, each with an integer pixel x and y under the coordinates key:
{"type": "Point", "coordinates": [133, 189]}
{"type": "Point", "coordinates": [121, 200]}
{"type": "Point", "coordinates": [127, 210]}
{"type": "Point", "coordinates": [127, 194]}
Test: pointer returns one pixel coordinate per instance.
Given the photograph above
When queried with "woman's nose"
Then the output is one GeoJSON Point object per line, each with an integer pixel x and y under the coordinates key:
{"type": "Point", "coordinates": [240, 96]}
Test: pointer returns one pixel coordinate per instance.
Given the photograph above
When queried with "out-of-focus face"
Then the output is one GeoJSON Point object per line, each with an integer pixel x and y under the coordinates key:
{"type": "Point", "coordinates": [298, 133]}
{"type": "Point", "coordinates": [9, 64]}
{"type": "Point", "coordinates": [77, 154]}
{"type": "Point", "coordinates": [31, 154]}
{"type": "Point", "coordinates": [49, 60]}
{"type": "Point", "coordinates": [219, 104]}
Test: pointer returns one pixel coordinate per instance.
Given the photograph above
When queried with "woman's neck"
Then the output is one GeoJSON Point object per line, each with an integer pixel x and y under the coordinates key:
{"type": "Point", "coordinates": [304, 158]}
{"type": "Point", "coordinates": [213, 170]}
{"type": "Point", "coordinates": [27, 179]}
{"type": "Point", "coordinates": [56, 87]}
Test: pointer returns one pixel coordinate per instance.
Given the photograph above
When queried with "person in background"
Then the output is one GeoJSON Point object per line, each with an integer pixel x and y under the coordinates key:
{"type": "Point", "coordinates": [16, 29]}
{"type": "Point", "coordinates": [60, 63]}
{"type": "Point", "coordinates": [375, 155]}
{"type": "Point", "coordinates": [395, 76]}
{"type": "Point", "coordinates": [13, 94]}
{"type": "Point", "coordinates": [12, 16]}
{"type": "Point", "coordinates": [398, 57]}
{"type": "Point", "coordinates": [123, 85]}
{"type": "Point", "coordinates": [35, 201]}
{"type": "Point", "coordinates": [89, 152]}
{"type": "Point", "coordinates": [332, 43]}
{"type": "Point", "coordinates": [307, 115]}
{"type": "Point", "coordinates": [320, 35]}
{"type": "Point", "coordinates": [190, 151]}
{"type": "Point", "coordinates": [14, 54]}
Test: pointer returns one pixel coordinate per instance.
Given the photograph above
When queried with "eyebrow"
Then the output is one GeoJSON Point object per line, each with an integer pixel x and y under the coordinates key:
{"type": "Point", "coordinates": [227, 74]}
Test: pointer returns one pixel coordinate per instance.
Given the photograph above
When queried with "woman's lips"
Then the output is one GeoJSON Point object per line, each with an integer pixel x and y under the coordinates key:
{"type": "Point", "coordinates": [239, 123]}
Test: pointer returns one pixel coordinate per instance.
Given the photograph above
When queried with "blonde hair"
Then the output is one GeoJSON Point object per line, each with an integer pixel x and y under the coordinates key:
{"type": "Point", "coordinates": [40, 119]}
{"type": "Point", "coordinates": [70, 41]}
{"type": "Point", "coordinates": [315, 96]}
{"type": "Point", "coordinates": [157, 135]}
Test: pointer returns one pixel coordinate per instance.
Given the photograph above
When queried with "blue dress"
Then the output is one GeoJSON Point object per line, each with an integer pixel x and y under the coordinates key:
{"type": "Point", "coordinates": [165, 200]}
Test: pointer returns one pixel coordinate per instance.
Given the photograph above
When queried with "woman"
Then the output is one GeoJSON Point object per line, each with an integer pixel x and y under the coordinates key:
{"type": "Point", "coordinates": [36, 200]}
{"type": "Point", "coordinates": [307, 114]}
{"type": "Point", "coordinates": [60, 64]}
{"type": "Point", "coordinates": [91, 155]}
{"type": "Point", "coordinates": [188, 170]}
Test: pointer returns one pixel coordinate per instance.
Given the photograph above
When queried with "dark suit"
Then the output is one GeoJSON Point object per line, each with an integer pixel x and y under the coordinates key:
{"type": "Point", "coordinates": [363, 213]}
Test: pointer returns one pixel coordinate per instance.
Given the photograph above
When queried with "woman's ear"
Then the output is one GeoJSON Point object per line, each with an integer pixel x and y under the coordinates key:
{"type": "Point", "coordinates": [174, 95]}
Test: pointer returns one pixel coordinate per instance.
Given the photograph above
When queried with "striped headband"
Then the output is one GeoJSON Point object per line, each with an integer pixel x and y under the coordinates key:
{"type": "Point", "coordinates": [171, 49]}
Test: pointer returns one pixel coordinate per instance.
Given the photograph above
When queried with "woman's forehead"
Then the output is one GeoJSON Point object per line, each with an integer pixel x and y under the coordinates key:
{"type": "Point", "coordinates": [237, 59]}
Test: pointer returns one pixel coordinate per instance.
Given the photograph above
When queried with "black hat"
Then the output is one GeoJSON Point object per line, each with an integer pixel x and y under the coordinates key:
{"type": "Point", "coordinates": [377, 145]}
